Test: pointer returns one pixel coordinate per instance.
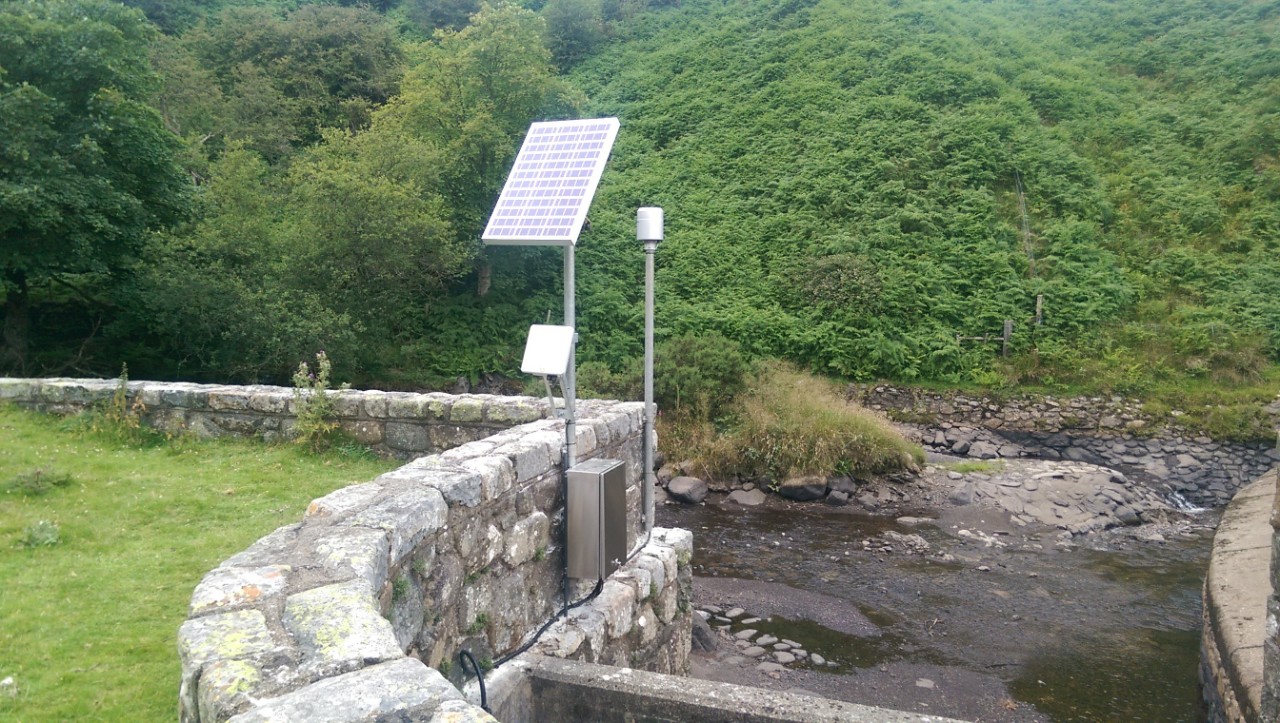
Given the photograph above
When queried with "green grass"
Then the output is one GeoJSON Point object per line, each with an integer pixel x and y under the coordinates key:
{"type": "Point", "coordinates": [974, 466]}
{"type": "Point", "coordinates": [790, 423]}
{"type": "Point", "coordinates": [88, 626]}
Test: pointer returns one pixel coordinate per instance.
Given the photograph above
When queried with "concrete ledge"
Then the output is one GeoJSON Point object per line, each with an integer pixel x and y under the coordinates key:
{"type": "Point", "coordinates": [1236, 589]}
{"type": "Point", "coordinates": [550, 689]}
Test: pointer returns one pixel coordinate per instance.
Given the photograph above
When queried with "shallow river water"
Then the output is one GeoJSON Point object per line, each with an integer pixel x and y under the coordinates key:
{"type": "Point", "coordinates": [1070, 634]}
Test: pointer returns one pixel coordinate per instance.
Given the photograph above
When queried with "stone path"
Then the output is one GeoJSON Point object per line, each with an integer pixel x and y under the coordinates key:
{"type": "Point", "coordinates": [770, 653]}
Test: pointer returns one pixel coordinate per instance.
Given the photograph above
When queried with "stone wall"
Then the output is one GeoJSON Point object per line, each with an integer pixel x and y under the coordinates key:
{"type": "Point", "coordinates": [358, 611]}
{"type": "Point", "coordinates": [396, 423]}
{"type": "Point", "coordinates": [1236, 591]}
{"type": "Point", "coordinates": [1109, 431]}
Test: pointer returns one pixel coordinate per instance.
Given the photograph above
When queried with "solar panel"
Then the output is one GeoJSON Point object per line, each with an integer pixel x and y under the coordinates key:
{"type": "Point", "coordinates": [551, 184]}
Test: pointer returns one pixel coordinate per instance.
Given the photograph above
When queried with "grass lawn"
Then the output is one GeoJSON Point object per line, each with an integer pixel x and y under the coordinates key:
{"type": "Point", "coordinates": [88, 626]}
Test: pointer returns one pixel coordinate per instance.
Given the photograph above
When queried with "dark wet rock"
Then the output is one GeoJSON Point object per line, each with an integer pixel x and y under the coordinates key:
{"type": "Point", "coordinates": [803, 489]}
{"type": "Point", "coordinates": [837, 498]}
{"type": "Point", "coordinates": [984, 450]}
{"type": "Point", "coordinates": [687, 489]}
{"type": "Point", "coordinates": [842, 483]}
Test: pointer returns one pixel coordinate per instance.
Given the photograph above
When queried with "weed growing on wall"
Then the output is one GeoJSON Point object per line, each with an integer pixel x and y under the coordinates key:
{"type": "Point", "coordinates": [313, 407]}
{"type": "Point", "coordinates": [119, 419]}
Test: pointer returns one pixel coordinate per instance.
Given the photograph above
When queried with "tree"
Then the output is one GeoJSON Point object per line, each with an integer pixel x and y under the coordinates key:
{"type": "Point", "coordinates": [574, 29]}
{"type": "Point", "coordinates": [86, 167]}
{"type": "Point", "coordinates": [277, 80]}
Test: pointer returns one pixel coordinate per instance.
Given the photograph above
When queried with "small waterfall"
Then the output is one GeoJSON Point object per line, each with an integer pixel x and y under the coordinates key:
{"type": "Point", "coordinates": [1181, 504]}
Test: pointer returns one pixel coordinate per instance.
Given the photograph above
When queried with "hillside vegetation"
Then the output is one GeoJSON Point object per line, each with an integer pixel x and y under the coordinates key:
{"type": "Point", "coordinates": [869, 189]}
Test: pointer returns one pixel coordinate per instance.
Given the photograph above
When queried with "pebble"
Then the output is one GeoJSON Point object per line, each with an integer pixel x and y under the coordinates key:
{"type": "Point", "coordinates": [784, 657]}
{"type": "Point", "coordinates": [983, 568]}
{"type": "Point", "coordinates": [782, 646]}
{"type": "Point", "coordinates": [818, 659]}
{"type": "Point", "coordinates": [770, 667]}
{"type": "Point", "coordinates": [766, 639]}
{"type": "Point", "coordinates": [754, 651]}
{"type": "Point", "coordinates": [749, 621]}
{"type": "Point", "coordinates": [792, 643]}
{"type": "Point", "coordinates": [745, 634]}
{"type": "Point", "coordinates": [924, 683]}
{"type": "Point", "coordinates": [736, 612]}
{"type": "Point", "coordinates": [713, 609]}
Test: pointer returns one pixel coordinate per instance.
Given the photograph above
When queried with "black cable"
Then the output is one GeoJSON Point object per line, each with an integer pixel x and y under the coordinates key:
{"type": "Point", "coordinates": [549, 623]}
{"type": "Point", "coordinates": [463, 657]}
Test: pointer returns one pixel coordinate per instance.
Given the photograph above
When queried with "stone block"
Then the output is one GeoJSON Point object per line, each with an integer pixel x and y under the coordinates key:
{"type": "Point", "coordinates": [497, 474]}
{"type": "Point", "coordinates": [652, 565]}
{"type": "Point", "coordinates": [18, 390]}
{"type": "Point", "coordinates": [403, 405]}
{"type": "Point", "coordinates": [457, 711]}
{"type": "Point", "coordinates": [339, 628]}
{"type": "Point", "coordinates": [530, 458]}
{"type": "Point", "coordinates": [466, 409]}
{"type": "Point", "coordinates": [458, 485]}
{"type": "Point", "coordinates": [587, 442]}
{"type": "Point", "coordinates": [407, 517]}
{"type": "Point", "coordinates": [400, 690]}
{"type": "Point", "coordinates": [478, 543]}
{"type": "Point", "coordinates": [591, 621]}
{"type": "Point", "coordinates": [364, 431]}
{"type": "Point", "coordinates": [227, 587]}
{"type": "Point", "coordinates": [617, 602]}
{"type": "Point", "coordinates": [526, 537]}
{"type": "Point", "coordinates": [346, 552]}
{"type": "Point", "coordinates": [346, 403]}
{"type": "Point", "coordinates": [344, 501]}
{"type": "Point", "coordinates": [374, 403]}
{"type": "Point", "coordinates": [620, 428]}
{"type": "Point", "coordinates": [273, 548]}
{"type": "Point", "coordinates": [239, 425]}
{"type": "Point", "coordinates": [516, 410]}
{"type": "Point", "coordinates": [563, 641]}
{"type": "Point", "coordinates": [241, 635]}
{"type": "Point", "coordinates": [270, 402]}
{"type": "Point", "coordinates": [448, 436]}
{"type": "Point", "coordinates": [228, 399]}
{"type": "Point", "coordinates": [408, 436]}
{"type": "Point", "coordinates": [436, 406]}
{"type": "Point", "coordinates": [224, 688]}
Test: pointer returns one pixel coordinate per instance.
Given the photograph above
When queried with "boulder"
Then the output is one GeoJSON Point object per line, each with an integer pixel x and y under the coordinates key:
{"type": "Point", "coordinates": [747, 498]}
{"type": "Point", "coordinates": [687, 489]}
{"type": "Point", "coordinates": [983, 450]}
{"type": "Point", "coordinates": [845, 484]}
{"type": "Point", "coordinates": [837, 498]}
{"type": "Point", "coordinates": [703, 639]}
{"type": "Point", "coordinates": [804, 489]}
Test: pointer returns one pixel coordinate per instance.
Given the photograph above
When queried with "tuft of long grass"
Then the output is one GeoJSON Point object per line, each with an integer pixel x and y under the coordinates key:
{"type": "Point", "coordinates": [88, 625]}
{"type": "Point", "coordinates": [790, 423]}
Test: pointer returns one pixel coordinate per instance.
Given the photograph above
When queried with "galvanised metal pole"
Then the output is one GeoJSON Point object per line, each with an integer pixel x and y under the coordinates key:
{"type": "Point", "coordinates": [570, 378]}
{"type": "Point", "coordinates": [649, 230]}
{"type": "Point", "coordinates": [650, 248]}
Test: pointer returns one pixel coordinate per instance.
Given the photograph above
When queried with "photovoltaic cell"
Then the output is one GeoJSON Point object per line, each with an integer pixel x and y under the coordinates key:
{"type": "Point", "coordinates": [551, 184]}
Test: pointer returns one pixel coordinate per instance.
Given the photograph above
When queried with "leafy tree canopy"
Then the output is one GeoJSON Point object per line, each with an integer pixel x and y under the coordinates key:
{"type": "Point", "coordinates": [86, 167]}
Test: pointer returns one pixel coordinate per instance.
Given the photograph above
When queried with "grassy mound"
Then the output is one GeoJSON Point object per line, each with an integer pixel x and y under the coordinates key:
{"type": "Point", "coordinates": [787, 424]}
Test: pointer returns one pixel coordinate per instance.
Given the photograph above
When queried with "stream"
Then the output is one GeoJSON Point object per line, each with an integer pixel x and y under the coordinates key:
{"type": "Point", "coordinates": [1107, 630]}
